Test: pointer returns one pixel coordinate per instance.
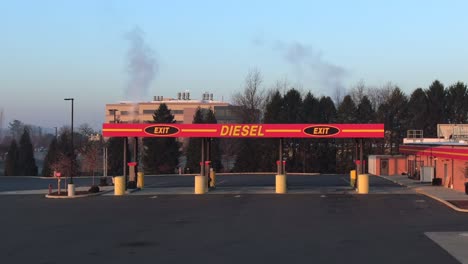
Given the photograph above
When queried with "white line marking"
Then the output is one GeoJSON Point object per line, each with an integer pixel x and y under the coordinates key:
{"type": "Point", "coordinates": [453, 242]}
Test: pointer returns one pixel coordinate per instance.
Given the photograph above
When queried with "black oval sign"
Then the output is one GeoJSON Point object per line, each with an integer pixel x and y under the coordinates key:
{"type": "Point", "coordinates": [321, 131]}
{"type": "Point", "coordinates": [161, 130]}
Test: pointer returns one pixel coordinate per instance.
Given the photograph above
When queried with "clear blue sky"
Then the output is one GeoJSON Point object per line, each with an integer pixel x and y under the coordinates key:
{"type": "Point", "coordinates": [56, 49]}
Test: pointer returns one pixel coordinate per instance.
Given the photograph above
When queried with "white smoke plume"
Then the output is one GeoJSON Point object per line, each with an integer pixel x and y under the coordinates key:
{"type": "Point", "coordinates": [304, 58]}
{"type": "Point", "coordinates": [140, 64]}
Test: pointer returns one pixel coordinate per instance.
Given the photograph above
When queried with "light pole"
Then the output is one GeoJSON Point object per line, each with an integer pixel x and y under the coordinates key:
{"type": "Point", "coordinates": [114, 111]}
{"type": "Point", "coordinates": [72, 150]}
{"type": "Point", "coordinates": [124, 150]}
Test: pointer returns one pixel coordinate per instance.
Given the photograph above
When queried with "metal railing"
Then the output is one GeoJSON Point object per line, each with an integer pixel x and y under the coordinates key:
{"type": "Point", "coordinates": [414, 134]}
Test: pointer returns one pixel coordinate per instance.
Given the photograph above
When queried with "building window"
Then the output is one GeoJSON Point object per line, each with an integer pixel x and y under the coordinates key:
{"type": "Point", "coordinates": [124, 112]}
{"type": "Point", "coordinates": [177, 112]}
{"type": "Point", "coordinates": [148, 112]}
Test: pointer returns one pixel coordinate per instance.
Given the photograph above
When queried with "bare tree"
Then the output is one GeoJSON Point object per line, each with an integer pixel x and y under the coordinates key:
{"type": "Point", "coordinates": [358, 92]}
{"type": "Point", "coordinates": [252, 99]}
{"type": "Point", "coordinates": [378, 96]}
{"type": "Point", "coordinates": [62, 164]}
{"type": "Point", "coordinates": [86, 130]}
{"type": "Point", "coordinates": [339, 94]}
{"type": "Point", "coordinates": [91, 154]}
{"type": "Point", "coordinates": [281, 86]}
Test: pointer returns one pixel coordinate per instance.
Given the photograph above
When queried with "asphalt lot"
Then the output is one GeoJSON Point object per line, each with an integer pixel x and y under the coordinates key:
{"type": "Point", "coordinates": [330, 228]}
{"type": "Point", "coordinates": [14, 183]}
{"type": "Point", "coordinates": [295, 181]}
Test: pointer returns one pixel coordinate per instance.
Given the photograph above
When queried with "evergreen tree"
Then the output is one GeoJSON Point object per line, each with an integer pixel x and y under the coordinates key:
{"type": "Point", "coordinates": [16, 127]}
{"type": "Point", "coordinates": [194, 146]}
{"type": "Point", "coordinates": [203, 116]}
{"type": "Point", "coordinates": [293, 114]}
{"type": "Point", "coordinates": [274, 114]}
{"type": "Point", "coordinates": [326, 147]}
{"type": "Point", "coordinates": [417, 110]}
{"type": "Point", "coordinates": [63, 143]}
{"type": "Point", "coordinates": [347, 111]}
{"type": "Point", "coordinates": [393, 113]}
{"type": "Point", "coordinates": [274, 109]}
{"type": "Point", "coordinates": [50, 158]}
{"type": "Point", "coordinates": [292, 107]}
{"type": "Point", "coordinates": [311, 112]}
{"type": "Point", "coordinates": [311, 109]}
{"type": "Point", "coordinates": [161, 155]}
{"type": "Point", "coordinates": [26, 155]}
{"type": "Point", "coordinates": [65, 152]}
{"type": "Point", "coordinates": [346, 114]}
{"type": "Point", "coordinates": [215, 155]}
{"type": "Point", "coordinates": [436, 112]}
{"type": "Point", "coordinates": [457, 103]}
{"type": "Point", "coordinates": [115, 149]}
{"type": "Point", "coordinates": [365, 112]}
{"type": "Point", "coordinates": [327, 110]}
{"type": "Point", "coordinates": [246, 160]}
{"type": "Point", "coordinates": [12, 160]}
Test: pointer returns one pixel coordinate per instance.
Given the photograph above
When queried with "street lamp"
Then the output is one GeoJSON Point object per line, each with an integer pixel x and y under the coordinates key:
{"type": "Point", "coordinates": [124, 150]}
{"type": "Point", "coordinates": [114, 111]}
{"type": "Point", "coordinates": [72, 150]}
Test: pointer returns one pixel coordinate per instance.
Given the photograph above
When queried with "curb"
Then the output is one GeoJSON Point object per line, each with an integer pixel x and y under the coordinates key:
{"type": "Point", "coordinates": [418, 190]}
{"type": "Point", "coordinates": [401, 184]}
{"type": "Point", "coordinates": [458, 209]}
{"type": "Point", "coordinates": [77, 196]}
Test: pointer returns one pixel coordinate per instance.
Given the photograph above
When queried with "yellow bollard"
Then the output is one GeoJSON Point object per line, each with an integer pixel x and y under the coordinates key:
{"type": "Point", "coordinates": [352, 178]}
{"type": "Point", "coordinates": [141, 180]}
{"type": "Point", "coordinates": [119, 185]}
{"type": "Point", "coordinates": [200, 184]}
{"type": "Point", "coordinates": [213, 178]}
{"type": "Point", "coordinates": [363, 184]}
{"type": "Point", "coordinates": [281, 185]}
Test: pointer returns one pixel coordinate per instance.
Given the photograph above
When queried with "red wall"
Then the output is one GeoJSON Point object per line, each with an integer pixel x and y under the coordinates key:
{"type": "Point", "coordinates": [454, 157]}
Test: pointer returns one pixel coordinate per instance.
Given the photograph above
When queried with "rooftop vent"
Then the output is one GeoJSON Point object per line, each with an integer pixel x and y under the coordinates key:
{"type": "Point", "coordinates": [207, 96]}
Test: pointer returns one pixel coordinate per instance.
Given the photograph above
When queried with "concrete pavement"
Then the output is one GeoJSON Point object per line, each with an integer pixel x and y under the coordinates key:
{"type": "Point", "coordinates": [452, 198]}
{"type": "Point", "coordinates": [265, 184]}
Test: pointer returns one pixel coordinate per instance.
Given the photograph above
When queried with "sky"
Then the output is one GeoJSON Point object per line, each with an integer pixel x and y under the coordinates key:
{"type": "Point", "coordinates": [100, 52]}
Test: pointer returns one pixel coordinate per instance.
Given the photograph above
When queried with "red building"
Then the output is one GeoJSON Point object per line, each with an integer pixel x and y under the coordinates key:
{"type": "Point", "coordinates": [445, 157]}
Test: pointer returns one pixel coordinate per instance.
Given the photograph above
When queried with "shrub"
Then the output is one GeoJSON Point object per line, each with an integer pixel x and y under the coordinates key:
{"type": "Point", "coordinates": [94, 189]}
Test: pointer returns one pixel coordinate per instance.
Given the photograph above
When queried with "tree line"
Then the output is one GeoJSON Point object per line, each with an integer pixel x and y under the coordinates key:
{"type": "Point", "coordinates": [422, 110]}
{"type": "Point", "coordinates": [20, 160]}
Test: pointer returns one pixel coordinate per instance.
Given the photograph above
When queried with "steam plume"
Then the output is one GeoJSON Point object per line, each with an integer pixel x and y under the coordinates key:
{"type": "Point", "coordinates": [304, 57]}
{"type": "Point", "coordinates": [141, 65]}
